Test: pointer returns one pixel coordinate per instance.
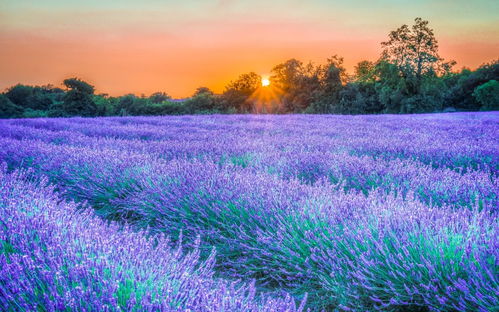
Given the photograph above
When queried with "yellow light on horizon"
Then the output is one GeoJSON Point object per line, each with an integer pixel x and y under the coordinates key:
{"type": "Point", "coordinates": [265, 82]}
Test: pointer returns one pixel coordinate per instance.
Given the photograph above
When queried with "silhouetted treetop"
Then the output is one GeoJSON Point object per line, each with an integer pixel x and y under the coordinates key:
{"type": "Point", "coordinates": [79, 85]}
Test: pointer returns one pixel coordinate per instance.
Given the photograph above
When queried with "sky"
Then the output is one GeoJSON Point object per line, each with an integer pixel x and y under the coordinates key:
{"type": "Point", "coordinates": [174, 46]}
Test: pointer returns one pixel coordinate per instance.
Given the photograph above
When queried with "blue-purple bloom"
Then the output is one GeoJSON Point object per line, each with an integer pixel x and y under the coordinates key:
{"type": "Point", "coordinates": [353, 213]}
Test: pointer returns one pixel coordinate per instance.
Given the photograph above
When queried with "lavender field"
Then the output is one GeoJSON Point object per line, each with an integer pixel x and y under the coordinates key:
{"type": "Point", "coordinates": [250, 213]}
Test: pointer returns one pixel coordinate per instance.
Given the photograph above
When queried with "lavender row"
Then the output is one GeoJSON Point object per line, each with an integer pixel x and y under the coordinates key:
{"type": "Point", "coordinates": [54, 258]}
{"type": "Point", "coordinates": [437, 186]}
{"type": "Point", "coordinates": [454, 141]}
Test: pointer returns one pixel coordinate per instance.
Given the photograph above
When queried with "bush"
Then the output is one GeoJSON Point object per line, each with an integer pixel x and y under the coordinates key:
{"type": "Point", "coordinates": [8, 109]}
{"type": "Point", "coordinates": [487, 95]}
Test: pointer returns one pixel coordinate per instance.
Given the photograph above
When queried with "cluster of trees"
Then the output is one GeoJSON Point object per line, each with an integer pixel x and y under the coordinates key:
{"type": "Point", "coordinates": [409, 77]}
{"type": "Point", "coordinates": [78, 98]}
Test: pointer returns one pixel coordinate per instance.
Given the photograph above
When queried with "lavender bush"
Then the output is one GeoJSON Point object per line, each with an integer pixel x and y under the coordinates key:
{"type": "Point", "coordinates": [390, 213]}
{"type": "Point", "coordinates": [54, 258]}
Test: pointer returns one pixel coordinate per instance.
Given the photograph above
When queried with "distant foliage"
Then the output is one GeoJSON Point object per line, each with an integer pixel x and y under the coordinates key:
{"type": "Point", "coordinates": [159, 97]}
{"type": "Point", "coordinates": [8, 109]}
{"type": "Point", "coordinates": [237, 94]}
{"type": "Point", "coordinates": [203, 101]}
{"type": "Point", "coordinates": [409, 77]}
{"type": "Point", "coordinates": [79, 100]}
{"type": "Point", "coordinates": [487, 95]}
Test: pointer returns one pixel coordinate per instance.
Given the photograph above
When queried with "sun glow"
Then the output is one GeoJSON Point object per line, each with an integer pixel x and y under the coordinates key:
{"type": "Point", "coordinates": [265, 82]}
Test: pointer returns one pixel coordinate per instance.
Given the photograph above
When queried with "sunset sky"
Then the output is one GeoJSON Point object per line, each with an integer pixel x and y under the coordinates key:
{"type": "Point", "coordinates": [175, 46]}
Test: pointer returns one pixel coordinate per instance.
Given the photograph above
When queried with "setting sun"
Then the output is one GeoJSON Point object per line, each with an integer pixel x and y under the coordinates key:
{"type": "Point", "coordinates": [265, 82]}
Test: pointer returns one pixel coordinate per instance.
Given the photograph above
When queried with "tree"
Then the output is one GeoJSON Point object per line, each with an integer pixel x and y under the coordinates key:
{"type": "Point", "coordinates": [359, 98]}
{"type": "Point", "coordinates": [78, 100]}
{"type": "Point", "coordinates": [365, 71]}
{"type": "Point", "coordinates": [334, 70]}
{"type": "Point", "coordinates": [462, 85]}
{"type": "Point", "coordinates": [390, 86]}
{"type": "Point", "coordinates": [203, 101]}
{"type": "Point", "coordinates": [129, 105]}
{"type": "Point", "coordinates": [414, 51]}
{"type": "Point", "coordinates": [202, 90]}
{"type": "Point", "coordinates": [8, 109]}
{"type": "Point", "coordinates": [237, 95]}
{"type": "Point", "coordinates": [36, 100]}
{"type": "Point", "coordinates": [332, 77]}
{"type": "Point", "coordinates": [105, 105]}
{"type": "Point", "coordinates": [487, 95]}
{"type": "Point", "coordinates": [409, 73]}
{"type": "Point", "coordinates": [44, 97]}
{"type": "Point", "coordinates": [296, 84]}
{"type": "Point", "coordinates": [19, 94]}
{"type": "Point", "coordinates": [76, 84]}
{"type": "Point", "coordinates": [159, 97]}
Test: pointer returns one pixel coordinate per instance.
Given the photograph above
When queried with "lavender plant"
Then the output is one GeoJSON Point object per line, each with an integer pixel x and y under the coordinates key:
{"type": "Point", "coordinates": [54, 258]}
{"type": "Point", "coordinates": [390, 213]}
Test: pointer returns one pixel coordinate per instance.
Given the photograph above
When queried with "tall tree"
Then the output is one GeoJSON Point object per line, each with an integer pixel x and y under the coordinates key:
{"type": "Point", "coordinates": [414, 50]}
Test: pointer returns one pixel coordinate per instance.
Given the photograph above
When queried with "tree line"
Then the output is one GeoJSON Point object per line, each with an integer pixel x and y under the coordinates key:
{"type": "Point", "coordinates": [408, 77]}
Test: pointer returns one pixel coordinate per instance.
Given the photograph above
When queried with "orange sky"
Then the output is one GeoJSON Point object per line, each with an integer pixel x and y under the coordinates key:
{"type": "Point", "coordinates": [163, 45]}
